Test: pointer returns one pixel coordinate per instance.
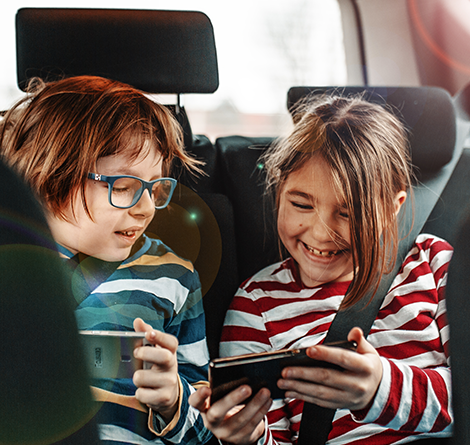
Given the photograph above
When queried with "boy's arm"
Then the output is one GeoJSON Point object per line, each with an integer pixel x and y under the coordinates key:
{"type": "Point", "coordinates": [188, 326]}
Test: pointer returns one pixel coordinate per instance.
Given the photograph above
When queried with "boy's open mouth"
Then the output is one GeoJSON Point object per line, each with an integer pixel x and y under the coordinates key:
{"type": "Point", "coordinates": [127, 233]}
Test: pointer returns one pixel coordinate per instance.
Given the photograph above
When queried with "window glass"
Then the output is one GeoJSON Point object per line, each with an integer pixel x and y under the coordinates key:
{"type": "Point", "coordinates": [263, 46]}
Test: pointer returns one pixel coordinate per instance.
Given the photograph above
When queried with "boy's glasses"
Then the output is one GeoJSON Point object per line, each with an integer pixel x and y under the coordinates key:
{"type": "Point", "coordinates": [125, 191]}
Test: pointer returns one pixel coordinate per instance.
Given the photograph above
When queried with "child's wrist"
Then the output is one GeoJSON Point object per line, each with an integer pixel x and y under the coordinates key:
{"type": "Point", "coordinates": [167, 414]}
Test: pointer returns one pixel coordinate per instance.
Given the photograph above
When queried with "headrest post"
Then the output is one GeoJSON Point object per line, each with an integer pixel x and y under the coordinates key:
{"type": "Point", "coordinates": [178, 104]}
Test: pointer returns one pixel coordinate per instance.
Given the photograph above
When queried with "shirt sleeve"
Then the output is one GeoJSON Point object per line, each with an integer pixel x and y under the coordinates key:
{"type": "Point", "coordinates": [415, 392]}
{"type": "Point", "coordinates": [188, 325]}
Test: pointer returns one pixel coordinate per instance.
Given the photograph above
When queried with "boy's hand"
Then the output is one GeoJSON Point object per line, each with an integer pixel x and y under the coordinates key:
{"type": "Point", "coordinates": [157, 387]}
{"type": "Point", "coordinates": [353, 388]}
{"type": "Point", "coordinates": [228, 419]}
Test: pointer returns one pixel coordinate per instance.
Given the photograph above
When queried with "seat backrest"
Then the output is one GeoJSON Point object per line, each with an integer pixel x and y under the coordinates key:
{"type": "Point", "coordinates": [200, 227]}
{"type": "Point", "coordinates": [451, 219]}
{"type": "Point", "coordinates": [458, 314]}
{"type": "Point", "coordinates": [451, 209]}
{"type": "Point", "coordinates": [42, 374]}
{"type": "Point", "coordinates": [243, 182]}
{"type": "Point", "coordinates": [156, 51]}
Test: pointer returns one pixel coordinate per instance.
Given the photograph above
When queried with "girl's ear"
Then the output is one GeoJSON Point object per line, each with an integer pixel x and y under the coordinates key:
{"type": "Point", "coordinates": [400, 198]}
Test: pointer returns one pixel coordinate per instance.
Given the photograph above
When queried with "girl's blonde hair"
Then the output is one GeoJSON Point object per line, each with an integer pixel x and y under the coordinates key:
{"type": "Point", "coordinates": [55, 135]}
{"type": "Point", "coordinates": [366, 148]}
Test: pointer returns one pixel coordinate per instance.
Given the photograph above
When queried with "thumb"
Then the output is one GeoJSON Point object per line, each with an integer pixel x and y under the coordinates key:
{"type": "Point", "coordinates": [141, 326]}
{"type": "Point", "coordinates": [363, 346]}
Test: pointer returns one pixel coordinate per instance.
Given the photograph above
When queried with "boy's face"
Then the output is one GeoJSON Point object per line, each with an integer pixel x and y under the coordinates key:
{"type": "Point", "coordinates": [313, 225]}
{"type": "Point", "coordinates": [112, 232]}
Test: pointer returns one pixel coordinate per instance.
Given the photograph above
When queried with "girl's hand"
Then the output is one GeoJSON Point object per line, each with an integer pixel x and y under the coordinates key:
{"type": "Point", "coordinates": [228, 419]}
{"type": "Point", "coordinates": [354, 388]}
{"type": "Point", "coordinates": [158, 387]}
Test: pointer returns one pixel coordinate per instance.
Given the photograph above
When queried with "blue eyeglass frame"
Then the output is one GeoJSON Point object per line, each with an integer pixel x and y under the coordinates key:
{"type": "Point", "coordinates": [110, 180]}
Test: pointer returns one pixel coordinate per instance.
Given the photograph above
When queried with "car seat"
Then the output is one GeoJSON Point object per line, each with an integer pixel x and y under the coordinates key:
{"type": "Point", "coordinates": [452, 217]}
{"type": "Point", "coordinates": [44, 384]}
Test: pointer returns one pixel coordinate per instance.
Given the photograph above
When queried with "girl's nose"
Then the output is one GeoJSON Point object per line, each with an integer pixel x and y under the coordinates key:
{"type": "Point", "coordinates": [322, 228]}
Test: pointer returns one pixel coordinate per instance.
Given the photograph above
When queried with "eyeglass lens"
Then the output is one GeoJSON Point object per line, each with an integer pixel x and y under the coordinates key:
{"type": "Point", "coordinates": [127, 191]}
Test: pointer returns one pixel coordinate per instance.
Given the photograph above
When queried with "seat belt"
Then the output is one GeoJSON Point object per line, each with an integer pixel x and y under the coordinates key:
{"type": "Point", "coordinates": [317, 421]}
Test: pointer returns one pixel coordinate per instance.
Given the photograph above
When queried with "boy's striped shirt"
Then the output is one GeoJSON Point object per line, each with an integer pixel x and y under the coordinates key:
{"type": "Point", "coordinates": [164, 290]}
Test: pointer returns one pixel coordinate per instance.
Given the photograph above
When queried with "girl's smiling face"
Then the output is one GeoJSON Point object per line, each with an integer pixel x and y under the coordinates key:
{"type": "Point", "coordinates": [313, 225]}
{"type": "Point", "coordinates": [111, 232]}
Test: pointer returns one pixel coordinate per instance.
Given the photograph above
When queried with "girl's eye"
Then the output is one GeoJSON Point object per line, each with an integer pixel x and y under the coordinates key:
{"type": "Point", "coordinates": [302, 206]}
{"type": "Point", "coordinates": [343, 214]}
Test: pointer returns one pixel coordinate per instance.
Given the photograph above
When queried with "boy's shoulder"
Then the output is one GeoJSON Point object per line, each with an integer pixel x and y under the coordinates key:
{"type": "Point", "coordinates": [155, 253]}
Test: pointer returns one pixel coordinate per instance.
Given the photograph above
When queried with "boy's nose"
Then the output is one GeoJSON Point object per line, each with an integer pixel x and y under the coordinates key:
{"type": "Point", "coordinates": [144, 207]}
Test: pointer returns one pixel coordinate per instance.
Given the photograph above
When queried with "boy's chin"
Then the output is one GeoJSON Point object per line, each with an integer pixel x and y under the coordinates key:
{"type": "Point", "coordinates": [112, 257]}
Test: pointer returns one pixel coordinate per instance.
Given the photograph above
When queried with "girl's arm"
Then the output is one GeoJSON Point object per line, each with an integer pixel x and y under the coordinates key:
{"type": "Point", "coordinates": [415, 392]}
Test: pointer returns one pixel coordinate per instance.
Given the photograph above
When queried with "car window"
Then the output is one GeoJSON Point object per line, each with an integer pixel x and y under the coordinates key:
{"type": "Point", "coordinates": [263, 47]}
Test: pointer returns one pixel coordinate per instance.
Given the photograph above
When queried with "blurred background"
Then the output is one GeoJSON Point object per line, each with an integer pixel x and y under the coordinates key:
{"type": "Point", "coordinates": [264, 47]}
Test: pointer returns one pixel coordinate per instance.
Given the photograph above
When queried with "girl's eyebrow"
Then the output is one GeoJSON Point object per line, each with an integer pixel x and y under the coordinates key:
{"type": "Point", "coordinates": [300, 194]}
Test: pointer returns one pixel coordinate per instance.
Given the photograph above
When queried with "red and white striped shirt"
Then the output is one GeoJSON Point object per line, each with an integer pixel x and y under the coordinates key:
{"type": "Point", "coordinates": [274, 310]}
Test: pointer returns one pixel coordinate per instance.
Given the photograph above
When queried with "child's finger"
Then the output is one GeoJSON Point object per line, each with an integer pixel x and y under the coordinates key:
{"type": "Point", "coordinates": [219, 409]}
{"type": "Point", "coordinates": [162, 339]}
{"type": "Point", "coordinates": [200, 399]}
{"type": "Point", "coordinates": [363, 346]}
{"type": "Point", "coordinates": [159, 359]}
{"type": "Point", "coordinates": [141, 326]}
{"type": "Point", "coordinates": [155, 337]}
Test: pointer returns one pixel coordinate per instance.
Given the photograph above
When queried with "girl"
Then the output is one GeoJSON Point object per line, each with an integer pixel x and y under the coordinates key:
{"type": "Point", "coordinates": [340, 179]}
{"type": "Point", "coordinates": [98, 153]}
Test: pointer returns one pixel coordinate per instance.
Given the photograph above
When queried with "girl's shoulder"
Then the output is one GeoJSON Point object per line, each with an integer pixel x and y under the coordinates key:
{"type": "Point", "coordinates": [431, 243]}
{"type": "Point", "coordinates": [429, 253]}
{"type": "Point", "coordinates": [281, 272]}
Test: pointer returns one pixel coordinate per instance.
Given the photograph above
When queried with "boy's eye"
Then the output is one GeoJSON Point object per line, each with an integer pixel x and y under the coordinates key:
{"type": "Point", "coordinates": [121, 190]}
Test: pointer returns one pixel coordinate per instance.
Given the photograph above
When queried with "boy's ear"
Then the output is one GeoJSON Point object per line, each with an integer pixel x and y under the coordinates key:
{"type": "Point", "coordinates": [400, 199]}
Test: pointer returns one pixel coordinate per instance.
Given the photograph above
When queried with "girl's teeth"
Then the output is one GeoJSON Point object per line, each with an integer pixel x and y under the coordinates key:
{"type": "Point", "coordinates": [325, 253]}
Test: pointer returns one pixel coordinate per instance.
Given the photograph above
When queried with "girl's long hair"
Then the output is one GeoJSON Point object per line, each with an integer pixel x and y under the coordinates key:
{"type": "Point", "coordinates": [366, 148]}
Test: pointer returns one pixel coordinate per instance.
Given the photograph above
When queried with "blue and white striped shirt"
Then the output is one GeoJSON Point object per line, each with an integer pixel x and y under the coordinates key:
{"type": "Point", "coordinates": [164, 290]}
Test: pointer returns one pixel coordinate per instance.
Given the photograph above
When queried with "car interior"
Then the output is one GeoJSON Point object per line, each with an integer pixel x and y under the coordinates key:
{"type": "Point", "coordinates": [222, 220]}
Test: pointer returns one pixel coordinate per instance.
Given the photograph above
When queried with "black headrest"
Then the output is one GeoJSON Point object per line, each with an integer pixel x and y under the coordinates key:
{"type": "Point", "coordinates": [166, 52]}
{"type": "Point", "coordinates": [428, 113]}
